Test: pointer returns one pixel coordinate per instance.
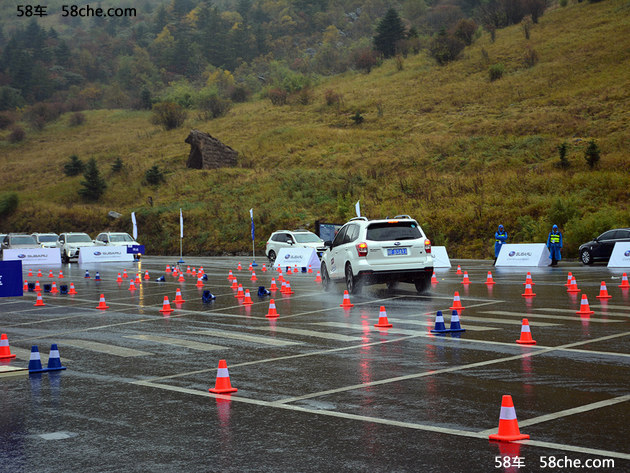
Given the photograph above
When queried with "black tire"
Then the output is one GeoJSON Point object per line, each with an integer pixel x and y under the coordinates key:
{"type": "Point", "coordinates": [326, 282]}
{"type": "Point", "coordinates": [422, 284]}
{"type": "Point", "coordinates": [353, 283]}
{"type": "Point", "coordinates": [586, 257]}
{"type": "Point", "coordinates": [271, 256]}
{"type": "Point", "coordinates": [64, 258]}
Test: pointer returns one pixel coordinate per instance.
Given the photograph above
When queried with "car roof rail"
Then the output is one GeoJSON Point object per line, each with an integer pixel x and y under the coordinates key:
{"type": "Point", "coordinates": [403, 216]}
{"type": "Point", "coordinates": [365, 219]}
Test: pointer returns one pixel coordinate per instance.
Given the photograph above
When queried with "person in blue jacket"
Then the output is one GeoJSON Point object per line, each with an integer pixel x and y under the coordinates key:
{"type": "Point", "coordinates": [500, 237]}
{"type": "Point", "coordinates": [554, 244]}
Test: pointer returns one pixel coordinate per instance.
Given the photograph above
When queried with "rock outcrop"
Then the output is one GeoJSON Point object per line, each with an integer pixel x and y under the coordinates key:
{"type": "Point", "coordinates": [206, 152]}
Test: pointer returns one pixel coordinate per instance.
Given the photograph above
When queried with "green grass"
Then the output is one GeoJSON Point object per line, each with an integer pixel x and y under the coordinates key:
{"type": "Point", "coordinates": [443, 144]}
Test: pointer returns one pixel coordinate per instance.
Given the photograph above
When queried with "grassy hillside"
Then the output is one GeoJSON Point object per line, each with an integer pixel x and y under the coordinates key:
{"type": "Point", "coordinates": [446, 145]}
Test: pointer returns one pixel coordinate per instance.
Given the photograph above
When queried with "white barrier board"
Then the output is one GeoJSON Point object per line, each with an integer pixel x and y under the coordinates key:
{"type": "Point", "coordinates": [28, 256]}
{"type": "Point", "coordinates": [620, 257]}
{"type": "Point", "coordinates": [440, 257]}
{"type": "Point", "coordinates": [101, 254]}
{"type": "Point", "coordinates": [523, 254]}
{"type": "Point", "coordinates": [302, 257]}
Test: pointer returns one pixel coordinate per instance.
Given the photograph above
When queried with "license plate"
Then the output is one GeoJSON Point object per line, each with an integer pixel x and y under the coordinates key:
{"type": "Point", "coordinates": [396, 251]}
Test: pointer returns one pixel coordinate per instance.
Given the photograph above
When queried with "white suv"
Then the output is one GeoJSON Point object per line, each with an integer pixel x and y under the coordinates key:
{"type": "Point", "coordinates": [388, 251]}
{"type": "Point", "coordinates": [293, 239]}
{"type": "Point", "coordinates": [69, 244]}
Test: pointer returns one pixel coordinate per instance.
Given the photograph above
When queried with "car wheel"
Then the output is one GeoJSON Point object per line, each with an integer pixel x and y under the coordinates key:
{"type": "Point", "coordinates": [422, 284]}
{"type": "Point", "coordinates": [64, 258]}
{"type": "Point", "coordinates": [326, 282]}
{"type": "Point", "coordinates": [272, 256]}
{"type": "Point", "coordinates": [586, 257]}
{"type": "Point", "coordinates": [353, 284]}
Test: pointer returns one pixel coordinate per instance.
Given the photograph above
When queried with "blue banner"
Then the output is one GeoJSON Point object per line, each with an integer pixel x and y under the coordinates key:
{"type": "Point", "coordinates": [135, 249]}
{"type": "Point", "coordinates": [11, 279]}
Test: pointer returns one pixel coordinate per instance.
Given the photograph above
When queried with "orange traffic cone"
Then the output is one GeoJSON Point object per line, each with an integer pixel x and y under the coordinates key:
{"type": "Point", "coordinates": [199, 282]}
{"type": "Point", "coordinates": [434, 278]}
{"type": "Point", "coordinates": [222, 384]}
{"type": "Point", "coordinates": [624, 281]}
{"type": "Point", "coordinates": [166, 306]}
{"type": "Point", "coordinates": [194, 271]}
{"type": "Point", "coordinates": [457, 304]}
{"type": "Point", "coordinates": [37, 287]}
{"type": "Point", "coordinates": [528, 280]}
{"type": "Point", "coordinates": [382, 319]}
{"type": "Point", "coordinates": [280, 277]}
{"type": "Point", "coordinates": [101, 303]}
{"type": "Point", "coordinates": [569, 277]}
{"type": "Point", "coordinates": [178, 297]}
{"type": "Point", "coordinates": [288, 291]}
{"type": "Point", "coordinates": [289, 270]}
{"type": "Point", "coordinates": [508, 425]}
{"type": "Point", "coordinates": [272, 313]}
{"type": "Point", "coordinates": [250, 268]}
{"type": "Point", "coordinates": [528, 291]}
{"type": "Point", "coordinates": [264, 268]}
{"type": "Point", "coordinates": [168, 269]}
{"type": "Point", "coordinates": [573, 287]}
{"type": "Point", "coordinates": [138, 280]}
{"type": "Point", "coordinates": [50, 274]}
{"type": "Point", "coordinates": [72, 291]}
{"type": "Point", "coordinates": [132, 285]}
{"type": "Point", "coordinates": [119, 279]}
{"type": "Point", "coordinates": [239, 267]}
{"type": "Point", "coordinates": [30, 273]}
{"type": "Point", "coordinates": [25, 288]}
{"type": "Point", "coordinates": [489, 280]}
{"type": "Point", "coordinates": [5, 350]}
{"type": "Point", "coordinates": [181, 277]}
{"type": "Point", "coordinates": [40, 301]}
{"type": "Point", "coordinates": [248, 298]}
{"type": "Point", "coordinates": [346, 301]}
{"type": "Point", "coordinates": [146, 275]}
{"type": "Point", "coordinates": [603, 291]}
{"type": "Point", "coordinates": [53, 289]}
{"type": "Point", "coordinates": [39, 273]}
{"type": "Point", "coordinates": [188, 270]}
{"type": "Point", "coordinates": [310, 269]}
{"type": "Point", "coordinates": [459, 269]}
{"type": "Point", "coordinates": [466, 280]}
{"type": "Point", "coordinates": [125, 274]}
{"type": "Point", "coordinates": [230, 276]}
{"type": "Point", "coordinates": [283, 288]}
{"type": "Point", "coordinates": [234, 284]}
{"type": "Point", "coordinates": [526, 334]}
{"type": "Point", "coordinates": [318, 277]}
{"type": "Point", "coordinates": [254, 278]}
{"type": "Point", "coordinates": [273, 286]}
{"type": "Point", "coordinates": [584, 307]}
{"type": "Point", "coordinates": [200, 270]}
{"type": "Point", "coordinates": [240, 294]}
{"type": "Point", "coordinates": [60, 274]}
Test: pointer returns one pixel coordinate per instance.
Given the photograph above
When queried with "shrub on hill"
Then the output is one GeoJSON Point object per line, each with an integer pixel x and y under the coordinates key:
{"type": "Point", "coordinates": [168, 115]}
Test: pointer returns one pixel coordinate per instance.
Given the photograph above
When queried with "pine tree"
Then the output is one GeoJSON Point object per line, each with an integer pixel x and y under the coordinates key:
{"type": "Point", "coordinates": [93, 184]}
{"type": "Point", "coordinates": [592, 154]}
{"type": "Point", "coordinates": [389, 31]}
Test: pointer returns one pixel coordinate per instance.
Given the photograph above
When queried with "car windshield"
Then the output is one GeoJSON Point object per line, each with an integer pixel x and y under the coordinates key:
{"type": "Point", "coordinates": [393, 230]}
{"type": "Point", "coordinates": [83, 238]}
{"type": "Point", "coordinates": [306, 238]}
{"type": "Point", "coordinates": [23, 240]}
{"type": "Point", "coordinates": [119, 238]}
{"type": "Point", "coordinates": [47, 238]}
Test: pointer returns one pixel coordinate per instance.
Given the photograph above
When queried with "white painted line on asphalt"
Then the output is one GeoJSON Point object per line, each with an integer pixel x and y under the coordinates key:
{"type": "Point", "coordinates": [108, 349]}
{"type": "Point", "coordinates": [466, 318]}
{"type": "Point", "coordinates": [473, 328]}
{"type": "Point", "coordinates": [567, 412]}
{"type": "Point", "coordinates": [370, 328]}
{"type": "Point", "coordinates": [310, 333]}
{"type": "Point", "coordinates": [177, 342]}
{"type": "Point", "coordinates": [378, 420]}
{"type": "Point", "coordinates": [244, 337]}
{"type": "Point", "coordinates": [576, 318]}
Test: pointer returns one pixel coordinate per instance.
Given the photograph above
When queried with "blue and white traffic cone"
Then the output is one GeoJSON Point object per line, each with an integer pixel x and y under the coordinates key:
{"type": "Point", "coordinates": [97, 277]}
{"type": "Point", "coordinates": [439, 323]}
{"type": "Point", "coordinates": [87, 274]}
{"type": "Point", "coordinates": [455, 325]}
{"type": "Point", "coordinates": [54, 360]}
{"type": "Point", "coordinates": [35, 361]}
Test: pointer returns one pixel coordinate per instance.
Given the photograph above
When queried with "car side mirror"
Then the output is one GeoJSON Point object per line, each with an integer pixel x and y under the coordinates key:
{"type": "Point", "coordinates": [328, 243]}
{"type": "Point", "coordinates": [290, 242]}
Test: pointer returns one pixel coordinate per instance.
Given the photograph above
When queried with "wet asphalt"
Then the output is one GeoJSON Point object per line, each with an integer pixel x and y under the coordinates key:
{"type": "Point", "coordinates": [320, 388]}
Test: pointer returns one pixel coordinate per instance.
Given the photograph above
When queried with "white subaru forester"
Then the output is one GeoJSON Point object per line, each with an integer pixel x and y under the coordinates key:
{"type": "Point", "coordinates": [387, 251]}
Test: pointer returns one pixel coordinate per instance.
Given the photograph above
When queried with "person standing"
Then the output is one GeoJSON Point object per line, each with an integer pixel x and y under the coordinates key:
{"type": "Point", "coordinates": [500, 237]}
{"type": "Point", "coordinates": [554, 244]}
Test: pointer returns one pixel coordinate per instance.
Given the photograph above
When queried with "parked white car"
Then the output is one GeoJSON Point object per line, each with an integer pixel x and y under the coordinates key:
{"type": "Point", "coordinates": [387, 251]}
{"type": "Point", "coordinates": [293, 239]}
{"type": "Point", "coordinates": [69, 244]}
{"type": "Point", "coordinates": [116, 239]}
{"type": "Point", "coordinates": [46, 240]}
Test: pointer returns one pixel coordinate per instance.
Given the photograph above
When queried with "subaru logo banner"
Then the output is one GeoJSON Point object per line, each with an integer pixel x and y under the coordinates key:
{"type": "Point", "coordinates": [11, 279]}
{"type": "Point", "coordinates": [620, 257]}
{"type": "Point", "coordinates": [30, 256]}
{"type": "Point", "coordinates": [523, 254]}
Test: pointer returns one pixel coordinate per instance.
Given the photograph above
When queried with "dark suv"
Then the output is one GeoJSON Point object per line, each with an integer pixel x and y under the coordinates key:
{"type": "Point", "coordinates": [601, 247]}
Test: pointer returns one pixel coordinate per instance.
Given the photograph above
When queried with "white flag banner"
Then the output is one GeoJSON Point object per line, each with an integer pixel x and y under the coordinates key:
{"type": "Point", "coordinates": [135, 226]}
{"type": "Point", "coordinates": [357, 207]}
{"type": "Point", "coordinates": [181, 224]}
